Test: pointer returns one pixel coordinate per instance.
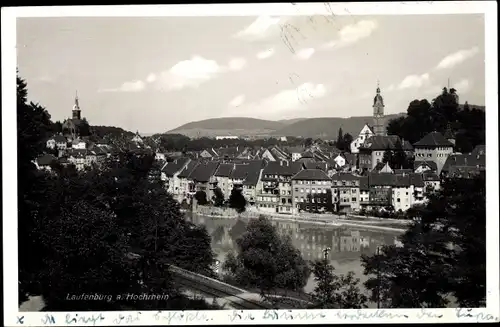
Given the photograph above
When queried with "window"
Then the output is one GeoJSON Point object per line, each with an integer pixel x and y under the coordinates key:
{"type": "Point", "coordinates": [302, 190]}
{"type": "Point", "coordinates": [313, 182]}
{"type": "Point", "coordinates": [399, 200]}
{"type": "Point", "coordinates": [296, 189]}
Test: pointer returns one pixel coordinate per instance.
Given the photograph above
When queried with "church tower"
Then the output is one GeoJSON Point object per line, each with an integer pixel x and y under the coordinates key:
{"type": "Point", "coordinates": [76, 109]}
{"type": "Point", "coordinates": [378, 113]}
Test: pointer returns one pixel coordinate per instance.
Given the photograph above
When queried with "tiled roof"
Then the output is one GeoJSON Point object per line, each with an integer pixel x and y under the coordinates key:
{"type": "Point", "coordinates": [363, 183]}
{"type": "Point", "coordinates": [204, 171]}
{"type": "Point", "coordinates": [433, 139]}
{"type": "Point", "coordinates": [349, 158]}
{"type": "Point", "coordinates": [464, 160]}
{"type": "Point", "coordinates": [188, 170]}
{"type": "Point", "coordinates": [429, 163]}
{"type": "Point", "coordinates": [315, 165]}
{"type": "Point", "coordinates": [403, 171]}
{"type": "Point", "coordinates": [479, 149]}
{"type": "Point", "coordinates": [311, 175]}
{"type": "Point", "coordinates": [171, 168]}
{"type": "Point", "coordinates": [307, 154]}
{"type": "Point", "coordinates": [45, 160]}
{"type": "Point", "coordinates": [294, 149]}
{"type": "Point", "coordinates": [345, 177]}
{"type": "Point", "coordinates": [284, 168]}
{"type": "Point", "coordinates": [378, 179]}
{"type": "Point", "coordinates": [253, 174]}
{"type": "Point", "coordinates": [430, 176]}
{"type": "Point", "coordinates": [417, 180]}
{"type": "Point", "coordinates": [60, 139]}
{"type": "Point", "coordinates": [224, 170]}
{"type": "Point", "coordinates": [380, 142]}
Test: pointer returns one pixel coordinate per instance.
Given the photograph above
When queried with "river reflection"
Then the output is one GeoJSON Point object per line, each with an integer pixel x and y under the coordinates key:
{"type": "Point", "coordinates": [346, 243]}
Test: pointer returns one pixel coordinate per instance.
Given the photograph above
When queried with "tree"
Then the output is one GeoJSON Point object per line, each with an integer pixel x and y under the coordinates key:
{"type": "Point", "coordinates": [336, 292]}
{"type": "Point", "coordinates": [388, 156]}
{"type": "Point", "coordinates": [218, 197]}
{"type": "Point", "coordinates": [442, 253]}
{"type": "Point", "coordinates": [347, 140]}
{"type": "Point", "coordinates": [237, 201]}
{"type": "Point", "coordinates": [201, 198]}
{"type": "Point", "coordinates": [266, 260]}
{"type": "Point", "coordinates": [308, 142]}
{"type": "Point", "coordinates": [340, 140]}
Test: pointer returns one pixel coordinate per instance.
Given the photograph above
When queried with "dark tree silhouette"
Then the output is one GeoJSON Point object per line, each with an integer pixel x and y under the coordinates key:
{"type": "Point", "coordinates": [237, 201]}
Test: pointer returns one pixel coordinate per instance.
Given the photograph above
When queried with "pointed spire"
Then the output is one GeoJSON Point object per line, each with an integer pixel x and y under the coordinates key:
{"type": "Point", "coordinates": [378, 87]}
{"type": "Point", "coordinates": [77, 105]}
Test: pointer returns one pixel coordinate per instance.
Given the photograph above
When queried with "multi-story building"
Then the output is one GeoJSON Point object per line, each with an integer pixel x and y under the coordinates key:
{"type": "Point", "coordinates": [170, 175]}
{"type": "Point", "coordinates": [222, 177]}
{"type": "Point", "coordinates": [434, 147]}
{"type": "Point", "coordinates": [187, 187]}
{"type": "Point", "coordinates": [43, 162]}
{"type": "Point", "coordinates": [311, 191]}
{"type": "Point", "coordinates": [276, 192]}
{"type": "Point", "coordinates": [346, 192]}
{"type": "Point", "coordinates": [372, 151]}
{"type": "Point", "coordinates": [364, 192]}
{"type": "Point", "coordinates": [204, 179]}
{"type": "Point", "coordinates": [246, 177]}
{"type": "Point", "coordinates": [464, 165]}
{"type": "Point", "coordinates": [424, 165]}
{"type": "Point", "coordinates": [365, 133]}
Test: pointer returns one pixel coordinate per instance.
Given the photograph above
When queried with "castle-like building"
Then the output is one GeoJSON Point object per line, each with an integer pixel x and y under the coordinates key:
{"type": "Point", "coordinates": [76, 126]}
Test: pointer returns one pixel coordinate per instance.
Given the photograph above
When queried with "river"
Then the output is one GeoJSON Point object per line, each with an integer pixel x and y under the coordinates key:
{"type": "Point", "coordinates": [346, 243]}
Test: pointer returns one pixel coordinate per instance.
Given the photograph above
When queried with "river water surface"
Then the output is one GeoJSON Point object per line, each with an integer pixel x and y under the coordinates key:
{"type": "Point", "coordinates": [346, 243]}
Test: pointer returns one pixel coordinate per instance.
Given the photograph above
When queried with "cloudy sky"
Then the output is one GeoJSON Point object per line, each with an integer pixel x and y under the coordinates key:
{"type": "Point", "coordinates": [155, 74]}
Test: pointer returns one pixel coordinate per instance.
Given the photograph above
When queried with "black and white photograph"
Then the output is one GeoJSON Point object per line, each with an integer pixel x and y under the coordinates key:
{"type": "Point", "coordinates": [240, 162]}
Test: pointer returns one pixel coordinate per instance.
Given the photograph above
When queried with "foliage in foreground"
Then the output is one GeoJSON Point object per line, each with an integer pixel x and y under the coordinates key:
{"type": "Point", "coordinates": [443, 253]}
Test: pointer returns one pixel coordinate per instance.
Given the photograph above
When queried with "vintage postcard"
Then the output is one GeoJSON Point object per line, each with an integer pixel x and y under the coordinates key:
{"type": "Point", "coordinates": [289, 163]}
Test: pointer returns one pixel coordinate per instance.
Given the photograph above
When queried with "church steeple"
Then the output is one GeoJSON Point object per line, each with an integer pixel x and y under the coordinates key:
{"type": "Point", "coordinates": [76, 108]}
{"type": "Point", "coordinates": [378, 113]}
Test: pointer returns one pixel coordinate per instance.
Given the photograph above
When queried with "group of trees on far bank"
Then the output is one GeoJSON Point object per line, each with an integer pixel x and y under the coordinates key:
{"type": "Point", "coordinates": [236, 199]}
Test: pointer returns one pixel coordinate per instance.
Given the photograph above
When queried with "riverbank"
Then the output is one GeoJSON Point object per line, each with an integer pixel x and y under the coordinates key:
{"type": "Point", "coordinates": [324, 220]}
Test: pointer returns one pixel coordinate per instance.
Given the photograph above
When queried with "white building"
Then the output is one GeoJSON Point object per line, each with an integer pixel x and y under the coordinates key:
{"type": "Point", "coordinates": [365, 133]}
{"type": "Point", "coordinates": [227, 137]}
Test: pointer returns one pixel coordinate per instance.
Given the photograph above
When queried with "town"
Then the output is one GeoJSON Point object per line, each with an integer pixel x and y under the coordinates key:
{"type": "Point", "coordinates": [376, 173]}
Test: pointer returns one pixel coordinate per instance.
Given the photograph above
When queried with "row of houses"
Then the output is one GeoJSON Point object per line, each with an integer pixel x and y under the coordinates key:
{"type": "Point", "coordinates": [288, 186]}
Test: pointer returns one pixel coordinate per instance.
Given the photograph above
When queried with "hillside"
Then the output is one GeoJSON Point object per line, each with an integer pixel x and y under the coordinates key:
{"type": "Point", "coordinates": [327, 127]}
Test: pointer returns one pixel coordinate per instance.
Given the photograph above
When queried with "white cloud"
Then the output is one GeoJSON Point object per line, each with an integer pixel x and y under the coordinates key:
{"type": "Point", "coordinates": [237, 63]}
{"type": "Point", "coordinates": [265, 54]}
{"type": "Point", "coordinates": [284, 101]}
{"type": "Point", "coordinates": [134, 86]}
{"type": "Point", "coordinates": [237, 101]}
{"type": "Point", "coordinates": [391, 88]}
{"type": "Point", "coordinates": [151, 78]}
{"type": "Point", "coordinates": [414, 81]}
{"type": "Point", "coordinates": [462, 86]}
{"type": "Point", "coordinates": [188, 73]}
{"type": "Point", "coordinates": [457, 58]}
{"type": "Point", "coordinates": [258, 29]}
{"type": "Point", "coordinates": [352, 33]}
{"type": "Point", "coordinates": [305, 54]}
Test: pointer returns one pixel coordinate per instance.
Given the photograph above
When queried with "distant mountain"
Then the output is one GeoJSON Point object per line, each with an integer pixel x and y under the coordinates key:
{"type": "Point", "coordinates": [237, 126]}
{"type": "Point", "coordinates": [326, 127]}
{"type": "Point", "coordinates": [291, 121]}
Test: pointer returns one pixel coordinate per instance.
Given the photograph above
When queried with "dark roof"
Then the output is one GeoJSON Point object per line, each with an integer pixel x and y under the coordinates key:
{"type": "Point", "coordinates": [349, 157]}
{"type": "Point", "coordinates": [307, 154]}
{"type": "Point", "coordinates": [224, 170]}
{"type": "Point", "coordinates": [311, 175]}
{"type": "Point", "coordinates": [171, 168]}
{"type": "Point", "coordinates": [344, 177]}
{"type": "Point", "coordinates": [45, 160]}
{"type": "Point", "coordinates": [284, 168]}
{"type": "Point", "coordinates": [479, 149]}
{"type": "Point", "coordinates": [433, 139]}
{"type": "Point", "coordinates": [315, 165]}
{"type": "Point", "coordinates": [403, 171]}
{"type": "Point", "coordinates": [383, 142]}
{"type": "Point", "coordinates": [77, 152]}
{"type": "Point", "coordinates": [429, 163]}
{"type": "Point", "coordinates": [464, 160]}
{"type": "Point", "coordinates": [363, 183]}
{"type": "Point", "coordinates": [230, 152]}
{"type": "Point", "coordinates": [188, 170]}
{"type": "Point", "coordinates": [465, 171]}
{"type": "Point", "coordinates": [379, 166]}
{"type": "Point", "coordinates": [60, 139]}
{"type": "Point", "coordinates": [204, 171]}
{"type": "Point", "coordinates": [253, 174]}
{"type": "Point", "coordinates": [377, 179]}
{"type": "Point", "coordinates": [430, 176]}
{"type": "Point", "coordinates": [417, 180]}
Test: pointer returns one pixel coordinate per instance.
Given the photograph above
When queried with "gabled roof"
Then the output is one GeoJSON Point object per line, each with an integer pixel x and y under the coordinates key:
{"type": "Point", "coordinates": [479, 150]}
{"type": "Point", "coordinates": [45, 160]}
{"type": "Point", "coordinates": [283, 168]}
{"type": "Point", "coordinates": [381, 142]}
{"type": "Point", "coordinates": [311, 175]}
{"type": "Point", "coordinates": [433, 139]}
{"type": "Point", "coordinates": [429, 163]}
{"type": "Point", "coordinates": [378, 179]}
{"type": "Point", "coordinates": [204, 171]}
{"type": "Point", "coordinates": [315, 165]}
{"type": "Point", "coordinates": [224, 170]}
{"type": "Point", "coordinates": [186, 172]}
{"type": "Point", "coordinates": [171, 168]}
{"type": "Point", "coordinates": [417, 180]}
{"type": "Point", "coordinates": [464, 160]}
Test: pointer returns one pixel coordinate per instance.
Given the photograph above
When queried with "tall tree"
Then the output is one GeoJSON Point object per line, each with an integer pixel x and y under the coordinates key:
{"type": "Point", "coordinates": [336, 292]}
{"type": "Point", "coordinates": [347, 140]}
{"type": "Point", "coordinates": [201, 198]}
{"type": "Point", "coordinates": [218, 197]}
{"type": "Point", "coordinates": [340, 140]}
{"type": "Point", "coordinates": [442, 253]}
{"type": "Point", "coordinates": [267, 260]}
{"type": "Point", "coordinates": [237, 200]}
